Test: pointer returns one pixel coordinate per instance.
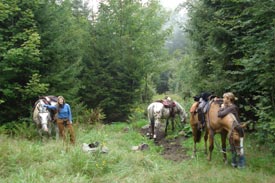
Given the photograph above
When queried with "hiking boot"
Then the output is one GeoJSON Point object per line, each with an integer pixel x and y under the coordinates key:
{"type": "Point", "coordinates": [241, 163]}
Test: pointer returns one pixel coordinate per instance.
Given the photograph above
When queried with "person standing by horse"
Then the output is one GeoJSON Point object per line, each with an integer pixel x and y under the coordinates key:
{"type": "Point", "coordinates": [64, 118]}
{"type": "Point", "coordinates": [228, 106]}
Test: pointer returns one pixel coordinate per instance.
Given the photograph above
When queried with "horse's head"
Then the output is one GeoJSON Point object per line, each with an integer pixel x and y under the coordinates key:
{"type": "Point", "coordinates": [180, 110]}
{"type": "Point", "coordinates": [44, 116]}
{"type": "Point", "coordinates": [236, 140]}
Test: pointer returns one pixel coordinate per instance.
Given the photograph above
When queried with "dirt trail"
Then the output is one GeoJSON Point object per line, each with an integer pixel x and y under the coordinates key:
{"type": "Point", "coordinates": [172, 148]}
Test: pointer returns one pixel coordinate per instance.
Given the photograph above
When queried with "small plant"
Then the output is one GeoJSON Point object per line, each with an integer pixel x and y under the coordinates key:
{"type": "Point", "coordinates": [137, 114]}
{"type": "Point", "coordinates": [96, 115]}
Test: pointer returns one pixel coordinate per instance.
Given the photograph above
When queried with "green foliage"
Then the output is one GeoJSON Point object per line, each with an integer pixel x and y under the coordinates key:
{"type": "Point", "coordinates": [232, 49]}
{"type": "Point", "coordinates": [96, 115]}
{"type": "Point", "coordinates": [20, 56]}
{"type": "Point", "coordinates": [122, 58]}
{"type": "Point", "coordinates": [137, 113]}
{"type": "Point", "coordinates": [34, 87]}
{"type": "Point", "coordinates": [64, 38]}
{"type": "Point", "coordinates": [20, 129]}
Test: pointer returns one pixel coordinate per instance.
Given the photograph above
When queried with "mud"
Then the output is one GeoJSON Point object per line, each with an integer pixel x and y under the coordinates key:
{"type": "Point", "coordinates": [172, 148]}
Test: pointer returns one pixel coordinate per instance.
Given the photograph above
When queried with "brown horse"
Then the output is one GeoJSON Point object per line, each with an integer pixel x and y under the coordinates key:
{"type": "Point", "coordinates": [227, 125]}
{"type": "Point", "coordinates": [196, 130]}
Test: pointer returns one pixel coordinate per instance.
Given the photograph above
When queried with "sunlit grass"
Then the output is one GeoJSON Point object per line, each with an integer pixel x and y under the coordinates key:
{"type": "Point", "coordinates": [53, 161]}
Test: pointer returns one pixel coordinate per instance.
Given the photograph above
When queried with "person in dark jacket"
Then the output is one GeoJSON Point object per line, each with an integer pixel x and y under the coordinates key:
{"type": "Point", "coordinates": [229, 106]}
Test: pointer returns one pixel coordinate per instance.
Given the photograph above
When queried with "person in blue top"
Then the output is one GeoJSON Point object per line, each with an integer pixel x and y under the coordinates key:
{"type": "Point", "coordinates": [64, 118]}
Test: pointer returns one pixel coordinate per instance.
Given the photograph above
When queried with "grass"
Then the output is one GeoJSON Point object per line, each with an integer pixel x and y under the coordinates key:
{"type": "Point", "coordinates": [52, 161]}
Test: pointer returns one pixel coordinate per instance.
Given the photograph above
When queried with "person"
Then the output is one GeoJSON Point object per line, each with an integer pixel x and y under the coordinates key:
{"type": "Point", "coordinates": [64, 118]}
{"type": "Point", "coordinates": [228, 106]}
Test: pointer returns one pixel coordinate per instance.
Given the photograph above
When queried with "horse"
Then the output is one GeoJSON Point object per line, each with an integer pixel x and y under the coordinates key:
{"type": "Point", "coordinates": [157, 111]}
{"type": "Point", "coordinates": [197, 130]}
{"type": "Point", "coordinates": [227, 125]}
{"type": "Point", "coordinates": [42, 117]}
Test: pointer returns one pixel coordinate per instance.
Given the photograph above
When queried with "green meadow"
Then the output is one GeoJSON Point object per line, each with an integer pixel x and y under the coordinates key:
{"type": "Point", "coordinates": [32, 160]}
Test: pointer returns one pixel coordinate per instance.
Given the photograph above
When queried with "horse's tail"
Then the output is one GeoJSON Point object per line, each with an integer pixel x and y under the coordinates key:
{"type": "Point", "coordinates": [195, 125]}
{"type": "Point", "coordinates": [198, 137]}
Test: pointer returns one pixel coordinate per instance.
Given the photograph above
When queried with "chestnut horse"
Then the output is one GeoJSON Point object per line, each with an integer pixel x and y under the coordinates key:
{"type": "Point", "coordinates": [227, 125]}
{"type": "Point", "coordinates": [196, 130]}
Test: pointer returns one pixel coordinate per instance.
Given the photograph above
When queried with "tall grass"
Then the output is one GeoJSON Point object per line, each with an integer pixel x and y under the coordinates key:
{"type": "Point", "coordinates": [51, 161]}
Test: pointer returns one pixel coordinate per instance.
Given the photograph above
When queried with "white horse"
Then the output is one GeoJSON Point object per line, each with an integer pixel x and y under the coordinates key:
{"type": "Point", "coordinates": [43, 118]}
{"type": "Point", "coordinates": [157, 111]}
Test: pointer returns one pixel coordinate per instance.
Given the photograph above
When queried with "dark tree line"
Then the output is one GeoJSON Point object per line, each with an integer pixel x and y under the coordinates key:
{"type": "Point", "coordinates": [95, 59]}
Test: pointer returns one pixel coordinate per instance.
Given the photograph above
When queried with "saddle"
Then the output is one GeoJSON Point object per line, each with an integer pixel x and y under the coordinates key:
{"type": "Point", "coordinates": [168, 104]}
{"type": "Point", "coordinates": [194, 107]}
{"type": "Point", "coordinates": [48, 99]}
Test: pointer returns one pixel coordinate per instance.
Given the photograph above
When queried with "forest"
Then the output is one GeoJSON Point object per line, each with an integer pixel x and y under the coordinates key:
{"type": "Point", "coordinates": [116, 57]}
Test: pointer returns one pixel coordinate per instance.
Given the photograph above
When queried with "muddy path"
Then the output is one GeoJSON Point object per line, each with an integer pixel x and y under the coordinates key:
{"type": "Point", "coordinates": [172, 148]}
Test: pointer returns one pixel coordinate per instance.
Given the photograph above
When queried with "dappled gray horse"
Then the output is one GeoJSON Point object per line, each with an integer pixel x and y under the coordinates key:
{"type": "Point", "coordinates": [157, 111]}
{"type": "Point", "coordinates": [43, 118]}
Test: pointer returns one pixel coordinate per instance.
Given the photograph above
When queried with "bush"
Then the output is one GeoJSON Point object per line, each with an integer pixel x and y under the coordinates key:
{"type": "Point", "coordinates": [91, 116]}
{"type": "Point", "coordinates": [24, 128]}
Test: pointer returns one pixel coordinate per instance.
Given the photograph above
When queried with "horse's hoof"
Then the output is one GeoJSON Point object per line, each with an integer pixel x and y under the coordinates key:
{"type": "Point", "coordinates": [234, 165]}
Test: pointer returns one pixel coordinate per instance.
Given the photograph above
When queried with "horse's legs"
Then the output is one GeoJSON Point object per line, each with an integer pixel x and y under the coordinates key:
{"type": "Point", "coordinates": [152, 135]}
{"type": "Point", "coordinates": [211, 144]}
{"type": "Point", "coordinates": [173, 124]}
{"type": "Point", "coordinates": [205, 140]}
{"type": "Point", "coordinates": [194, 133]}
{"type": "Point", "coordinates": [166, 126]}
{"type": "Point", "coordinates": [223, 138]}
